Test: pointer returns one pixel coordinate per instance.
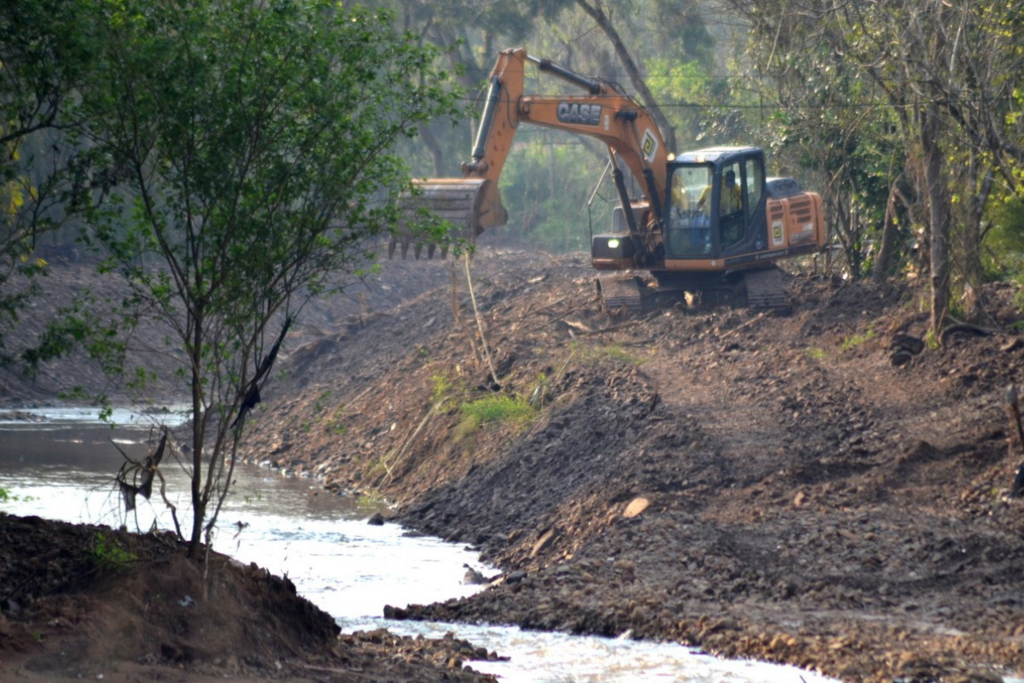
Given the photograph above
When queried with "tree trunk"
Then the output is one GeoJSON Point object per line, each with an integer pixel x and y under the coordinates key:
{"type": "Point", "coordinates": [198, 504]}
{"type": "Point", "coordinates": [596, 12]}
{"type": "Point", "coordinates": [844, 228]}
{"type": "Point", "coordinates": [883, 261]}
{"type": "Point", "coordinates": [938, 213]}
{"type": "Point", "coordinates": [430, 142]}
{"type": "Point", "coordinates": [973, 230]}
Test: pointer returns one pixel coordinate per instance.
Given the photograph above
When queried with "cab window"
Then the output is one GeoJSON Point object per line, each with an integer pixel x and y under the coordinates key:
{"type": "Point", "coordinates": [688, 232]}
{"type": "Point", "coordinates": [754, 185]}
{"type": "Point", "coordinates": [732, 217]}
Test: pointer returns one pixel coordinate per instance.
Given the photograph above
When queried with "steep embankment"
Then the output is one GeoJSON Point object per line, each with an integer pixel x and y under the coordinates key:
{"type": "Point", "coordinates": [762, 486]}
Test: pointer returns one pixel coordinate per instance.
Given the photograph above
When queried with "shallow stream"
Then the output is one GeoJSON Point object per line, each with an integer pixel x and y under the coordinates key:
{"type": "Point", "coordinates": [62, 467]}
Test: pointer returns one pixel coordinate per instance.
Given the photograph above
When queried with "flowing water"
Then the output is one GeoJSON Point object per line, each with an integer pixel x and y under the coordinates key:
{"type": "Point", "coordinates": [63, 468]}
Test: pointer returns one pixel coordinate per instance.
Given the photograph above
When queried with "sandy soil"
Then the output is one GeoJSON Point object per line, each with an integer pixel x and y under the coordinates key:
{"type": "Point", "coordinates": [763, 486]}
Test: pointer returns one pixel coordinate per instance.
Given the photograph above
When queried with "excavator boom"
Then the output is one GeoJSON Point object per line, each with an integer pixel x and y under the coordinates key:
{"type": "Point", "coordinates": [615, 119]}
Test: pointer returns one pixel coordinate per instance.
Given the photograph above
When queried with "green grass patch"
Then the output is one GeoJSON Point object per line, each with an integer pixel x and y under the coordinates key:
{"type": "Point", "coordinates": [592, 355]}
{"type": "Point", "coordinates": [815, 353]}
{"type": "Point", "coordinates": [442, 391]}
{"type": "Point", "coordinates": [109, 554]}
{"type": "Point", "coordinates": [513, 410]}
{"type": "Point", "coordinates": [856, 340]}
{"type": "Point", "coordinates": [499, 409]}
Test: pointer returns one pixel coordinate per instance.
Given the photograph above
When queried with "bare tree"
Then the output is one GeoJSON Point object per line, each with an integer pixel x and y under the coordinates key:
{"type": "Point", "coordinates": [595, 10]}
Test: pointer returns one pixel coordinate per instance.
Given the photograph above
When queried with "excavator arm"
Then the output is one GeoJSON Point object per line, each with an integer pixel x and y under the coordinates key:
{"type": "Point", "coordinates": [473, 203]}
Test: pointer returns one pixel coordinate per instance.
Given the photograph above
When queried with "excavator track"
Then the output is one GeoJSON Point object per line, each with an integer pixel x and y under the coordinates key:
{"type": "Point", "coordinates": [765, 290]}
{"type": "Point", "coordinates": [760, 289]}
{"type": "Point", "coordinates": [618, 293]}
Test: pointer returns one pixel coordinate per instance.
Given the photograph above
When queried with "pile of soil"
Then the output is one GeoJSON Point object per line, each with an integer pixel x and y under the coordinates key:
{"type": "Point", "coordinates": [81, 601]}
{"type": "Point", "coordinates": [827, 488]}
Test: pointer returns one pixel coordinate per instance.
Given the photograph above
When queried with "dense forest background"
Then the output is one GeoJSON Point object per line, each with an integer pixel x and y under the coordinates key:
{"type": "Point", "coordinates": [905, 116]}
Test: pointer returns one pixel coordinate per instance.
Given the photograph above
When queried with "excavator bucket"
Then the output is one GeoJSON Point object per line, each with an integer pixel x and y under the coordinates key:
{"type": "Point", "coordinates": [470, 205]}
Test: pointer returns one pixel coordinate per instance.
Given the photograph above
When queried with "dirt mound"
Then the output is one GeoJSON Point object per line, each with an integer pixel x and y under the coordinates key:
{"type": "Point", "coordinates": [83, 601]}
{"type": "Point", "coordinates": [823, 488]}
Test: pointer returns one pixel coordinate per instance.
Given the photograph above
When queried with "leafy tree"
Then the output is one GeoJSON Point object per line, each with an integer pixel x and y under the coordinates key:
{"type": "Point", "coordinates": [470, 37]}
{"type": "Point", "coordinates": [43, 52]}
{"type": "Point", "coordinates": [1004, 257]}
{"type": "Point", "coordinates": [250, 143]}
{"type": "Point", "coordinates": [940, 79]}
{"type": "Point", "coordinates": [824, 117]}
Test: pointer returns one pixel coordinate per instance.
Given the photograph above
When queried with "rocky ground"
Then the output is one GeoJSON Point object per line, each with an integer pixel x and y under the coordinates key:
{"type": "Point", "coordinates": [817, 488]}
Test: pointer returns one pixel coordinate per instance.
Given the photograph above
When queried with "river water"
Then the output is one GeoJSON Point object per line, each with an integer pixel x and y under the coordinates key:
{"type": "Point", "coordinates": [63, 467]}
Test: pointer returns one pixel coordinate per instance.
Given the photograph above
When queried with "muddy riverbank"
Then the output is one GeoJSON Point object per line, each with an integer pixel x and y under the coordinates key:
{"type": "Point", "coordinates": [787, 488]}
{"type": "Point", "coordinates": [780, 487]}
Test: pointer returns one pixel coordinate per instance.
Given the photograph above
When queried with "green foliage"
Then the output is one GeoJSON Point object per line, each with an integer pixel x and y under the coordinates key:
{"type": "Point", "coordinates": [499, 409]}
{"type": "Point", "coordinates": [442, 392]}
{"type": "Point", "coordinates": [679, 83]}
{"type": "Point", "coordinates": [815, 353]}
{"type": "Point", "coordinates": [1003, 255]}
{"type": "Point", "coordinates": [108, 553]}
{"type": "Point", "coordinates": [45, 47]}
{"type": "Point", "coordinates": [252, 146]}
{"type": "Point", "coordinates": [546, 185]}
{"type": "Point", "coordinates": [7, 497]}
{"type": "Point", "coordinates": [678, 31]}
{"type": "Point", "coordinates": [589, 354]}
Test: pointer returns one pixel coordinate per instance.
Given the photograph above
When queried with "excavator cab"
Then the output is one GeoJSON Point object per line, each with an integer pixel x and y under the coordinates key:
{"type": "Point", "coordinates": [713, 229]}
{"type": "Point", "coordinates": [715, 201]}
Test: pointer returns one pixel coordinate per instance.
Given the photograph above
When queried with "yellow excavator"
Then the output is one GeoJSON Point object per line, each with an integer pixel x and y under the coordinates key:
{"type": "Point", "coordinates": [707, 222]}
